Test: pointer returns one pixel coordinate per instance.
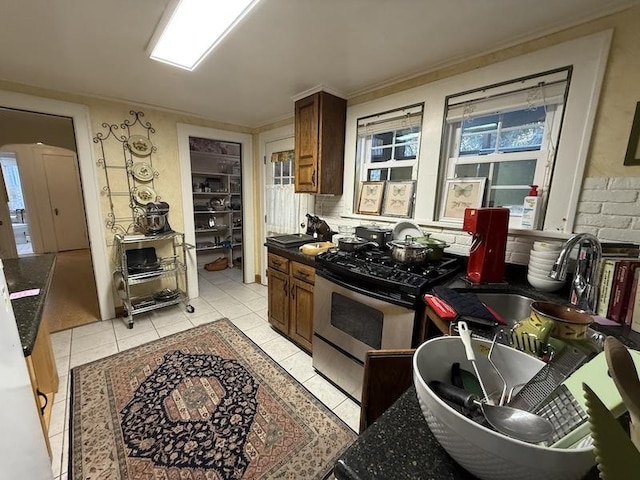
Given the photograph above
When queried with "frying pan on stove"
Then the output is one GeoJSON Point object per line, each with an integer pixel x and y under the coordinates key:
{"type": "Point", "coordinates": [353, 244]}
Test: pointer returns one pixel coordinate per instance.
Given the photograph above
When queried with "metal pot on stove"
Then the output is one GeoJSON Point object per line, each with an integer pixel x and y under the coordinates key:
{"type": "Point", "coordinates": [372, 233]}
{"type": "Point", "coordinates": [409, 251]}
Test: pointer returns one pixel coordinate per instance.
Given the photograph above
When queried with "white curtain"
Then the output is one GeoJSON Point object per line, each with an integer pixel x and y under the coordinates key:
{"type": "Point", "coordinates": [283, 209]}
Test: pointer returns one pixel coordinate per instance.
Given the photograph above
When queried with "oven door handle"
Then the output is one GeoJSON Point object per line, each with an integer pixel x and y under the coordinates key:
{"type": "Point", "coordinates": [362, 291]}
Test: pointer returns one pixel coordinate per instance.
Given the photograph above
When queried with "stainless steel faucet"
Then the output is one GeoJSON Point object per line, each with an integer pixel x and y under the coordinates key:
{"type": "Point", "coordinates": [584, 289]}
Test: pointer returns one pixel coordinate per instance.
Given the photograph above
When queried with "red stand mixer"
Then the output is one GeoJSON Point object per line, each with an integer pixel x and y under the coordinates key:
{"type": "Point", "coordinates": [489, 227]}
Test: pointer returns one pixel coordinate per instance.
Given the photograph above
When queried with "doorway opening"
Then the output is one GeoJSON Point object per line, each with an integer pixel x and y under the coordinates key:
{"type": "Point", "coordinates": [216, 174]}
{"type": "Point", "coordinates": [17, 210]}
{"type": "Point", "coordinates": [45, 206]}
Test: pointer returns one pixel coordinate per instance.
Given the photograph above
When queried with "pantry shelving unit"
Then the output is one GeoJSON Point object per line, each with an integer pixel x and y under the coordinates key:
{"type": "Point", "coordinates": [217, 200]}
{"type": "Point", "coordinates": [144, 291]}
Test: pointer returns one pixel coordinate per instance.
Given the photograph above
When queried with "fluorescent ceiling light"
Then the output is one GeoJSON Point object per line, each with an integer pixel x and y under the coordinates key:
{"type": "Point", "coordinates": [194, 28]}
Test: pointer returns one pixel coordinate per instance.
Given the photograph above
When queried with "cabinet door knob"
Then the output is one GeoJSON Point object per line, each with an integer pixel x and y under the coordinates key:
{"type": "Point", "coordinates": [313, 178]}
{"type": "Point", "coordinates": [293, 289]}
{"type": "Point", "coordinates": [55, 210]}
{"type": "Point", "coordinates": [286, 288]}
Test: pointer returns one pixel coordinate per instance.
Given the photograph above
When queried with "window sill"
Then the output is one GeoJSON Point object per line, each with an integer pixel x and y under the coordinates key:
{"type": "Point", "coordinates": [454, 226]}
{"type": "Point", "coordinates": [519, 232]}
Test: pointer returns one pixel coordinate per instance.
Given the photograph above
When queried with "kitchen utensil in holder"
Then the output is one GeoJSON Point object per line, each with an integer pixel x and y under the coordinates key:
{"type": "Point", "coordinates": [465, 336]}
{"type": "Point", "coordinates": [550, 376]}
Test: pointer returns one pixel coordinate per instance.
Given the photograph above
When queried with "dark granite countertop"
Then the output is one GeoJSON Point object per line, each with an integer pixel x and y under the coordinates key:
{"type": "Point", "coordinates": [292, 253]}
{"type": "Point", "coordinates": [28, 273]}
{"type": "Point", "coordinates": [399, 445]}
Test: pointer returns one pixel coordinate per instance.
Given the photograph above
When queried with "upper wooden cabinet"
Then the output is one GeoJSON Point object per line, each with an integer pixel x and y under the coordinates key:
{"type": "Point", "coordinates": [319, 143]}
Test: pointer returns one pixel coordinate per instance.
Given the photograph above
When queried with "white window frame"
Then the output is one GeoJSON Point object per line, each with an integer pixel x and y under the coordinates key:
{"type": "Point", "coordinates": [282, 177]}
{"type": "Point", "coordinates": [544, 157]}
{"type": "Point", "coordinates": [364, 146]}
{"type": "Point", "coordinates": [588, 57]}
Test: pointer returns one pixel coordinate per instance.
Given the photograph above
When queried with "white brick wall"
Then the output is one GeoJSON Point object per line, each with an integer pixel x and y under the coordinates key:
{"type": "Point", "coordinates": [609, 208]}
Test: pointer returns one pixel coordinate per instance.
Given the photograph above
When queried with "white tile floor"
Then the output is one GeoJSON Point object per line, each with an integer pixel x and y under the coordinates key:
{"type": "Point", "coordinates": [221, 295]}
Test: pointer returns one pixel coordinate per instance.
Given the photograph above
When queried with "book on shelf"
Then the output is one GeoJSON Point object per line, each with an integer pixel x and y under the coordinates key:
{"type": "Point", "coordinates": [607, 271]}
{"type": "Point", "coordinates": [621, 288]}
{"type": "Point", "coordinates": [633, 295]}
{"type": "Point", "coordinates": [635, 313]}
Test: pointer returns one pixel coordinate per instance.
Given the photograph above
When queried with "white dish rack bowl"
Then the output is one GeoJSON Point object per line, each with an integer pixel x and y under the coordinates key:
{"type": "Point", "coordinates": [484, 452]}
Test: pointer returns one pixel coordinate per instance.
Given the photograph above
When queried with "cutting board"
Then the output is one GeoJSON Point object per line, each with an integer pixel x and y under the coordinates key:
{"type": "Point", "coordinates": [595, 374]}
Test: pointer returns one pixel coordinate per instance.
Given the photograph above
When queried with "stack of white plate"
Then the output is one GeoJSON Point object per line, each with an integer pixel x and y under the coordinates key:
{"type": "Point", "coordinates": [541, 258]}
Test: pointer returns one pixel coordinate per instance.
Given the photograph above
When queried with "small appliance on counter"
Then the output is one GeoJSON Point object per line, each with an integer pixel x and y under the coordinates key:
{"type": "Point", "coordinates": [489, 227]}
{"type": "Point", "coordinates": [154, 220]}
{"type": "Point", "coordinates": [380, 235]}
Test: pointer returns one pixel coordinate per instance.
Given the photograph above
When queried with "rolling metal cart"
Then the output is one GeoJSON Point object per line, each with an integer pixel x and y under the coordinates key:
{"type": "Point", "coordinates": [172, 267]}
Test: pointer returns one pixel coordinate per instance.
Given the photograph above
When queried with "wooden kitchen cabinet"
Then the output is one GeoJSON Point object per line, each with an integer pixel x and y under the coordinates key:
{"type": "Point", "coordinates": [279, 300]}
{"type": "Point", "coordinates": [44, 377]}
{"type": "Point", "coordinates": [291, 299]}
{"type": "Point", "coordinates": [319, 143]}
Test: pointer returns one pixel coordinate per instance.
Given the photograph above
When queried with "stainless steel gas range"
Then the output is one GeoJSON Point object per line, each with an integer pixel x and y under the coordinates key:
{"type": "Point", "coordinates": [367, 301]}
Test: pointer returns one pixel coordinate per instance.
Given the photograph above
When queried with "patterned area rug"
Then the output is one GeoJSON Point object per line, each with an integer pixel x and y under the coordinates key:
{"type": "Point", "coordinates": [202, 404]}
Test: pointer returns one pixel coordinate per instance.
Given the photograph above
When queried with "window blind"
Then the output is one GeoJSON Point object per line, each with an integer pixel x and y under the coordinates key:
{"type": "Point", "coordinates": [537, 92]}
{"type": "Point", "coordinates": [282, 156]}
{"type": "Point", "coordinates": [408, 117]}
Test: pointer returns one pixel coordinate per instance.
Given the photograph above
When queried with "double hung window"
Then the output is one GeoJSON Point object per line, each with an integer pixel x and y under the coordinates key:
{"type": "Point", "coordinates": [387, 147]}
{"type": "Point", "coordinates": [507, 134]}
{"type": "Point", "coordinates": [282, 168]}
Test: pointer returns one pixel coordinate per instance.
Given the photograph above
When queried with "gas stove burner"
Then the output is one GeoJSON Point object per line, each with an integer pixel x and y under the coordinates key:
{"type": "Point", "coordinates": [376, 270]}
{"type": "Point", "coordinates": [375, 256]}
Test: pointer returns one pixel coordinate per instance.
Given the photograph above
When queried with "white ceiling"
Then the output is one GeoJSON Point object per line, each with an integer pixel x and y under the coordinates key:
{"type": "Point", "coordinates": [281, 49]}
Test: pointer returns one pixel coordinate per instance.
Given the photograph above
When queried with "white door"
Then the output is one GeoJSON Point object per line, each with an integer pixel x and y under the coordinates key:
{"type": "Point", "coordinates": [280, 176]}
{"type": "Point", "coordinates": [67, 206]}
{"type": "Point", "coordinates": [7, 241]}
{"type": "Point", "coordinates": [280, 197]}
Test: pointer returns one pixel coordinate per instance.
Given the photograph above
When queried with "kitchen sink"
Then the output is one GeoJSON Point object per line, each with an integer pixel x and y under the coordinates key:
{"type": "Point", "coordinates": [511, 306]}
{"type": "Point", "coordinates": [514, 307]}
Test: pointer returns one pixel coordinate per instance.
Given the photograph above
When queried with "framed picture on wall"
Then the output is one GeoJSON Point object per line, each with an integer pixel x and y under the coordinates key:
{"type": "Point", "coordinates": [370, 197]}
{"type": "Point", "coordinates": [632, 156]}
{"type": "Point", "coordinates": [398, 199]}
{"type": "Point", "coordinates": [459, 194]}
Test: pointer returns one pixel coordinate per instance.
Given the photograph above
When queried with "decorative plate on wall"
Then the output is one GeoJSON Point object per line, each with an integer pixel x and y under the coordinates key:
{"type": "Point", "coordinates": [139, 145]}
{"type": "Point", "coordinates": [144, 195]}
{"type": "Point", "coordinates": [142, 171]}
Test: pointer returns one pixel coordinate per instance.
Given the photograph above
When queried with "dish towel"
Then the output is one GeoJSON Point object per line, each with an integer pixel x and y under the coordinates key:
{"type": "Point", "coordinates": [466, 304]}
